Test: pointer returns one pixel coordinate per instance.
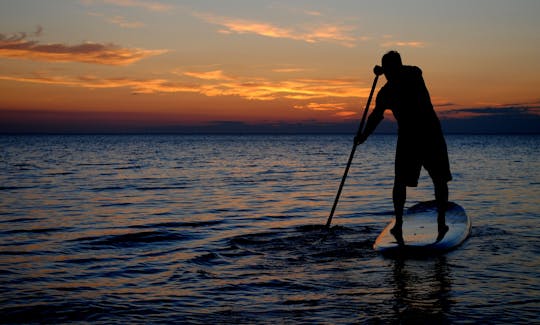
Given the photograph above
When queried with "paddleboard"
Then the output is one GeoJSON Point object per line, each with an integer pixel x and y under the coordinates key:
{"type": "Point", "coordinates": [420, 230]}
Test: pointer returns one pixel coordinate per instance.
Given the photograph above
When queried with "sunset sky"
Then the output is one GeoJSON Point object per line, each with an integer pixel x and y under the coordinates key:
{"type": "Point", "coordinates": [139, 65]}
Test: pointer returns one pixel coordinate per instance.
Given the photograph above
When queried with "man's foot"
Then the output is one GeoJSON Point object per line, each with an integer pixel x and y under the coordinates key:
{"type": "Point", "coordinates": [442, 231]}
{"type": "Point", "coordinates": [398, 234]}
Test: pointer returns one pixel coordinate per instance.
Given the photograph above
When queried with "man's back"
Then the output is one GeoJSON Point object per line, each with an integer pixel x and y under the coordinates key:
{"type": "Point", "coordinates": [408, 98]}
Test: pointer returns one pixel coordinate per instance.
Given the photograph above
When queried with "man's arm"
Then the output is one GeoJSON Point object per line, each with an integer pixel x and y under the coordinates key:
{"type": "Point", "coordinates": [373, 120]}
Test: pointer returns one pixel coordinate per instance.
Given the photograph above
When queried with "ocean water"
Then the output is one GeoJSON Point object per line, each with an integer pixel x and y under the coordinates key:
{"type": "Point", "coordinates": [227, 229]}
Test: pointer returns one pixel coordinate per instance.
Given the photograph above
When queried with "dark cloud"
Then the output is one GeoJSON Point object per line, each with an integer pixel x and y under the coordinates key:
{"type": "Point", "coordinates": [17, 46]}
{"type": "Point", "coordinates": [497, 111]}
{"type": "Point", "coordinates": [512, 118]}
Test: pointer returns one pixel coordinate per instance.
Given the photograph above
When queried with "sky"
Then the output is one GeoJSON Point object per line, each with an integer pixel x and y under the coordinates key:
{"type": "Point", "coordinates": [261, 65]}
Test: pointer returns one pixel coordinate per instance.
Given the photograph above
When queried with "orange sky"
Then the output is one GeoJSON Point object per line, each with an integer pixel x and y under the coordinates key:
{"type": "Point", "coordinates": [177, 63]}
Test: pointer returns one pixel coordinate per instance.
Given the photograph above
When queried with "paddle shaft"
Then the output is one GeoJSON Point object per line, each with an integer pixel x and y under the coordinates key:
{"type": "Point", "coordinates": [351, 156]}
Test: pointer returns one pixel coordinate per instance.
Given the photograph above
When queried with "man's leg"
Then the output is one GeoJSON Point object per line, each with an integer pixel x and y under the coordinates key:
{"type": "Point", "coordinates": [399, 195]}
{"type": "Point", "coordinates": [441, 196]}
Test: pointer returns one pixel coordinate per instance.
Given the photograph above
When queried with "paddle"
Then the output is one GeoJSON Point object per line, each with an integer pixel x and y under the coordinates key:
{"type": "Point", "coordinates": [378, 71]}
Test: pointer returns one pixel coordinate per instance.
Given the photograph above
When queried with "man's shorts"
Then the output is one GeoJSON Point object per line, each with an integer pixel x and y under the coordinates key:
{"type": "Point", "coordinates": [413, 153]}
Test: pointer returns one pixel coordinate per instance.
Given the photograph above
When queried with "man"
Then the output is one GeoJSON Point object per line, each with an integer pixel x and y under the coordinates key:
{"type": "Point", "coordinates": [420, 138]}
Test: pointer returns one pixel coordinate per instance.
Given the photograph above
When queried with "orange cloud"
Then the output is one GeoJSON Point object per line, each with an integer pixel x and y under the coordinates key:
{"type": "Point", "coordinates": [417, 44]}
{"type": "Point", "coordinates": [322, 106]}
{"type": "Point", "coordinates": [338, 108]}
{"type": "Point", "coordinates": [346, 114]}
{"type": "Point", "coordinates": [221, 84]}
{"type": "Point", "coordinates": [215, 83]}
{"type": "Point", "coordinates": [209, 75]}
{"type": "Point", "coordinates": [140, 86]}
{"type": "Point", "coordinates": [16, 46]}
{"type": "Point", "coordinates": [148, 5]}
{"type": "Point", "coordinates": [331, 32]}
{"type": "Point", "coordinates": [323, 33]}
{"type": "Point", "coordinates": [299, 89]}
{"type": "Point", "coordinates": [288, 70]}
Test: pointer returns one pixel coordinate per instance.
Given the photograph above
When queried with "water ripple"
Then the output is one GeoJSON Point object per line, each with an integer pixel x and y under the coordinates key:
{"type": "Point", "coordinates": [132, 239]}
{"type": "Point", "coordinates": [230, 229]}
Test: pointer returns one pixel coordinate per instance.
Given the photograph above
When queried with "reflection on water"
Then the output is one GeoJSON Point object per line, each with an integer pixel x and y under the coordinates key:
{"type": "Point", "coordinates": [422, 290]}
{"type": "Point", "coordinates": [229, 229]}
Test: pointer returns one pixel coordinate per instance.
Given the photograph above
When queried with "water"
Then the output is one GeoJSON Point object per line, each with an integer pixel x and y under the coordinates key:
{"type": "Point", "coordinates": [227, 229]}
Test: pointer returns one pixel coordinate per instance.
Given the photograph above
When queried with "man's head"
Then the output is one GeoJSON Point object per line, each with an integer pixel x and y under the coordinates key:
{"type": "Point", "coordinates": [391, 63]}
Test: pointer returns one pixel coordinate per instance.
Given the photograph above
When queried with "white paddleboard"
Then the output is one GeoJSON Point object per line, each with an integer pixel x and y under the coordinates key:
{"type": "Point", "coordinates": [420, 230]}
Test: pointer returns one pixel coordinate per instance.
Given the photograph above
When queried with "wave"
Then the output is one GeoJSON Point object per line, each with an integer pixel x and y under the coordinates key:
{"type": "Point", "coordinates": [35, 231]}
{"type": "Point", "coordinates": [15, 188]}
{"type": "Point", "coordinates": [132, 239]}
{"type": "Point", "coordinates": [179, 224]}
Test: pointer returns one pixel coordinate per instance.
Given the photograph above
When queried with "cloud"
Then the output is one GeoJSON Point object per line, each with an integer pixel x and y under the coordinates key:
{"type": "Point", "coordinates": [338, 108]}
{"type": "Point", "coordinates": [288, 70]}
{"type": "Point", "coordinates": [514, 118]}
{"type": "Point", "coordinates": [16, 46]}
{"type": "Point", "coordinates": [416, 44]}
{"type": "Point", "coordinates": [118, 20]}
{"type": "Point", "coordinates": [209, 75]}
{"type": "Point", "coordinates": [240, 26]}
{"type": "Point", "coordinates": [390, 42]}
{"type": "Point", "coordinates": [304, 89]}
{"type": "Point", "coordinates": [139, 86]}
{"type": "Point", "coordinates": [215, 83]}
{"type": "Point", "coordinates": [313, 34]}
{"type": "Point", "coordinates": [148, 5]}
{"type": "Point", "coordinates": [219, 83]}
{"type": "Point", "coordinates": [313, 13]}
{"type": "Point", "coordinates": [346, 114]}
{"type": "Point", "coordinates": [508, 110]}
{"type": "Point", "coordinates": [322, 106]}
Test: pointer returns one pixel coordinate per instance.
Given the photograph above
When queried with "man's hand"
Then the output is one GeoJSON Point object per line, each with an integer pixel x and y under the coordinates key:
{"type": "Point", "coordinates": [378, 70]}
{"type": "Point", "coordinates": [359, 139]}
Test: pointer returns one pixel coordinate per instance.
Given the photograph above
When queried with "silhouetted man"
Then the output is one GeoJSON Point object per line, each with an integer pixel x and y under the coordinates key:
{"type": "Point", "coordinates": [420, 138]}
